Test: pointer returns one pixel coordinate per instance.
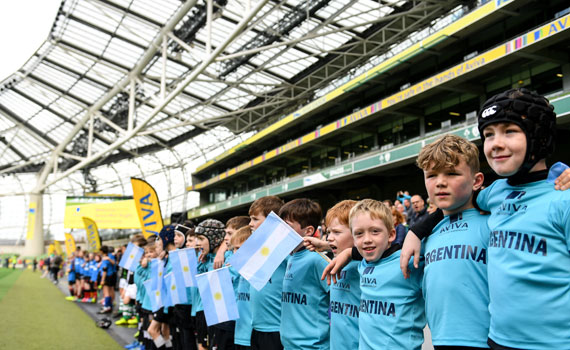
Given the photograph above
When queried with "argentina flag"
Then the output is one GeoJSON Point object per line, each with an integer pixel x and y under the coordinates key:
{"type": "Point", "coordinates": [132, 257]}
{"type": "Point", "coordinates": [261, 254]}
{"type": "Point", "coordinates": [218, 298]}
{"type": "Point", "coordinates": [176, 289]}
{"type": "Point", "coordinates": [156, 272]}
{"type": "Point", "coordinates": [155, 296]}
{"type": "Point", "coordinates": [184, 265]}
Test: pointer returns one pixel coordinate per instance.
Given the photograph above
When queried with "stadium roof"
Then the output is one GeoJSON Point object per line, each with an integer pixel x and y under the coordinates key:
{"type": "Point", "coordinates": [120, 79]}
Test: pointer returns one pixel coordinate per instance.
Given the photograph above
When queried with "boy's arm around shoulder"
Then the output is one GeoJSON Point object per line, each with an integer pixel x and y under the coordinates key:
{"type": "Point", "coordinates": [320, 264]}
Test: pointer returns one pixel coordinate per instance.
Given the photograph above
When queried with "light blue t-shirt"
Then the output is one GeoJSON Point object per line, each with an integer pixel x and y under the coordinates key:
{"type": "Point", "coordinates": [528, 264]}
{"type": "Point", "coordinates": [242, 334]}
{"type": "Point", "coordinates": [266, 303]}
{"type": "Point", "coordinates": [455, 280]}
{"type": "Point", "coordinates": [344, 308]}
{"type": "Point", "coordinates": [391, 308]}
{"type": "Point", "coordinates": [305, 303]}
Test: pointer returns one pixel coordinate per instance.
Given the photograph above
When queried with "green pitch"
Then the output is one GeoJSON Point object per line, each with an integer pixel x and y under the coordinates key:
{"type": "Point", "coordinates": [35, 315]}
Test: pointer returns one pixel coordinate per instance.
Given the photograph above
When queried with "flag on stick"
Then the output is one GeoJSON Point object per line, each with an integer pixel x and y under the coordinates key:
{"type": "Point", "coordinates": [176, 289]}
{"type": "Point", "coordinates": [184, 265]}
{"type": "Point", "coordinates": [218, 296]}
{"type": "Point", "coordinates": [265, 250]}
{"type": "Point", "coordinates": [154, 296]}
{"type": "Point", "coordinates": [132, 257]}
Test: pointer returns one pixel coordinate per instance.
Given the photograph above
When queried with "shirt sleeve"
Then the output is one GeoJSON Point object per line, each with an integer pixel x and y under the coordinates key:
{"type": "Point", "coordinates": [423, 228]}
{"type": "Point", "coordinates": [483, 198]}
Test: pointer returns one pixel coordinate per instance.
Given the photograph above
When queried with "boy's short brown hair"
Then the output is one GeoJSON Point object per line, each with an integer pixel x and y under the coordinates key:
{"type": "Point", "coordinates": [138, 240]}
{"type": "Point", "coordinates": [340, 212]}
{"type": "Point", "coordinates": [237, 222]}
{"type": "Point", "coordinates": [265, 205]}
{"type": "Point", "coordinates": [376, 210]}
{"type": "Point", "coordinates": [447, 152]}
{"type": "Point", "coordinates": [302, 210]}
{"type": "Point", "coordinates": [240, 236]}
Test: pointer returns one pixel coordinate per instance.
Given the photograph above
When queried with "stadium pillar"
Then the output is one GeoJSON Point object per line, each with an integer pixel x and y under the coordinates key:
{"type": "Point", "coordinates": [35, 229]}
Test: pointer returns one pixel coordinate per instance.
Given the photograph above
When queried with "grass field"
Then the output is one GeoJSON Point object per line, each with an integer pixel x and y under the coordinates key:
{"type": "Point", "coordinates": [35, 315]}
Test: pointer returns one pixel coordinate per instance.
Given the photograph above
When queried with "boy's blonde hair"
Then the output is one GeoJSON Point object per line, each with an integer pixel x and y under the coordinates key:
{"type": "Point", "coordinates": [447, 152]}
{"type": "Point", "coordinates": [240, 236]}
{"type": "Point", "coordinates": [340, 211]}
{"type": "Point", "coordinates": [377, 210]}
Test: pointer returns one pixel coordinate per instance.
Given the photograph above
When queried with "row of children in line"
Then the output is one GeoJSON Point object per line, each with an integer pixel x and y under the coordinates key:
{"type": "Point", "coordinates": [481, 283]}
{"type": "Point", "coordinates": [88, 272]}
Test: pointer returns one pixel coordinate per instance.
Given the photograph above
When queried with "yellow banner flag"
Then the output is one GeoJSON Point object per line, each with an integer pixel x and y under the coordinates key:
{"type": "Point", "coordinates": [31, 221]}
{"type": "Point", "coordinates": [69, 244]}
{"type": "Point", "coordinates": [93, 240]}
{"type": "Point", "coordinates": [57, 247]}
{"type": "Point", "coordinates": [148, 207]}
{"type": "Point", "coordinates": [51, 249]}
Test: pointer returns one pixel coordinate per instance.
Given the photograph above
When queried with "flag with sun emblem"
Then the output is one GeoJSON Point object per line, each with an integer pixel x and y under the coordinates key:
{"type": "Point", "coordinates": [176, 289]}
{"type": "Point", "coordinates": [267, 247]}
{"type": "Point", "coordinates": [218, 298]}
{"type": "Point", "coordinates": [155, 296]}
{"type": "Point", "coordinates": [184, 265]}
{"type": "Point", "coordinates": [132, 257]}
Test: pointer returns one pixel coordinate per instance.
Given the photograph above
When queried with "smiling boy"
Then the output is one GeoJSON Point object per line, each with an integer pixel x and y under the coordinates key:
{"type": "Point", "coordinates": [391, 308]}
{"type": "Point", "coordinates": [455, 274]}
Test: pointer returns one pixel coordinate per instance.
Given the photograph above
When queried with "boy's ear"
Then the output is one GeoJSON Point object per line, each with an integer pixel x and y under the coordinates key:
{"type": "Point", "coordinates": [392, 236]}
{"type": "Point", "coordinates": [478, 181]}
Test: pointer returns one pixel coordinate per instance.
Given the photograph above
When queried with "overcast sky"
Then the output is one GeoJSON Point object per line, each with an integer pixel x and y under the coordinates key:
{"type": "Point", "coordinates": [24, 26]}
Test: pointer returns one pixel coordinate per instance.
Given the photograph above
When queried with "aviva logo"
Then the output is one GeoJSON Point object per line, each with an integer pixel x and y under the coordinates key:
{"type": "Point", "coordinates": [516, 195]}
{"type": "Point", "coordinates": [368, 270]}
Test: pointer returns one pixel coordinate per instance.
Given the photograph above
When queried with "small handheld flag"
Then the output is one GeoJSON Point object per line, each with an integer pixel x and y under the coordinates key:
{"type": "Point", "coordinates": [176, 289]}
{"type": "Point", "coordinates": [131, 258]}
{"type": "Point", "coordinates": [184, 265]}
{"type": "Point", "coordinates": [154, 296]}
{"type": "Point", "coordinates": [265, 250]}
{"type": "Point", "coordinates": [156, 274]}
{"type": "Point", "coordinates": [218, 296]}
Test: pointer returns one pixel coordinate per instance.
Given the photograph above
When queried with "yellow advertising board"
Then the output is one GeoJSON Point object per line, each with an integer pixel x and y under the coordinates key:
{"type": "Point", "coordinates": [31, 220]}
{"type": "Point", "coordinates": [109, 212]}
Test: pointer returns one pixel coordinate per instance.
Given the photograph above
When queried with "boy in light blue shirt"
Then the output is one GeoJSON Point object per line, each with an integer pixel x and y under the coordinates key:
{"type": "Point", "coordinates": [242, 337]}
{"type": "Point", "coordinates": [305, 298]}
{"type": "Point", "coordinates": [455, 274]}
{"type": "Point", "coordinates": [266, 303]}
{"type": "Point", "coordinates": [345, 293]}
{"type": "Point", "coordinates": [391, 314]}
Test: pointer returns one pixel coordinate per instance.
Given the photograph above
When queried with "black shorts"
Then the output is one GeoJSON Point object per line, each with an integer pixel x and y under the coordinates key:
{"type": "Point", "coordinates": [110, 281]}
{"type": "Point", "coordinates": [86, 278]}
{"type": "Point", "coordinates": [182, 316]}
{"type": "Point", "coordinates": [161, 317]}
{"type": "Point", "coordinates": [265, 340]}
{"type": "Point", "coordinates": [201, 329]}
{"type": "Point", "coordinates": [223, 339]}
{"type": "Point", "coordinates": [71, 282]}
{"type": "Point", "coordinates": [242, 347]}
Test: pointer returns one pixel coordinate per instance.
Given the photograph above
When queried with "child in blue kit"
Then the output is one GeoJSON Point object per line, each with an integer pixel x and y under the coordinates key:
{"type": "Point", "coordinates": [455, 273]}
{"type": "Point", "coordinates": [209, 236]}
{"type": "Point", "coordinates": [391, 307]}
{"type": "Point", "coordinates": [266, 303]}
{"type": "Point", "coordinates": [529, 242]}
{"type": "Point", "coordinates": [305, 298]}
{"type": "Point", "coordinates": [345, 293]}
{"type": "Point", "coordinates": [142, 274]}
{"type": "Point", "coordinates": [242, 337]}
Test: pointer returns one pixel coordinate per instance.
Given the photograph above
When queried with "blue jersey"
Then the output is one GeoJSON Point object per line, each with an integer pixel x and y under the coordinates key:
{"type": "Point", "coordinates": [528, 264]}
{"type": "Point", "coordinates": [142, 274]}
{"type": "Point", "coordinates": [391, 308]}
{"type": "Point", "coordinates": [78, 263]}
{"type": "Point", "coordinates": [345, 303]}
{"type": "Point", "coordinates": [242, 334]}
{"type": "Point", "coordinates": [305, 303]}
{"type": "Point", "coordinates": [108, 266]}
{"type": "Point", "coordinates": [266, 303]}
{"type": "Point", "coordinates": [455, 280]}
